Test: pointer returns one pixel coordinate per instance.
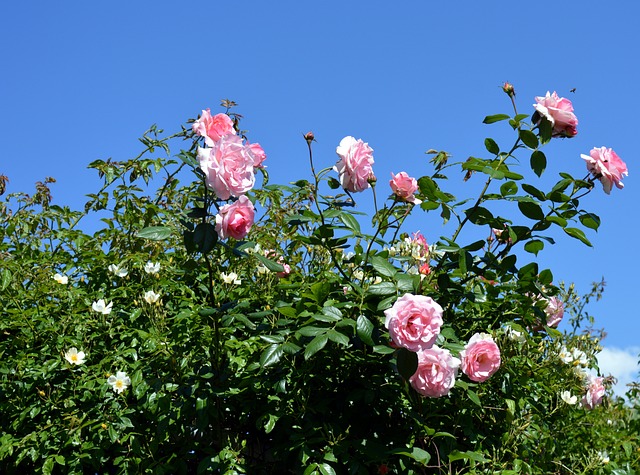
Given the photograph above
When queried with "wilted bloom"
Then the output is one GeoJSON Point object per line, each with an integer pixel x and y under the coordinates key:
{"type": "Point", "coordinates": [213, 128]}
{"type": "Point", "coordinates": [152, 267]}
{"type": "Point", "coordinates": [568, 398]}
{"type": "Point", "coordinates": [414, 322]}
{"type": "Point", "coordinates": [554, 311]}
{"type": "Point", "coordinates": [235, 219]}
{"type": "Point", "coordinates": [228, 167]}
{"type": "Point", "coordinates": [595, 392]}
{"type": "Point", "coordinates": [558, 111]}
{"type": "Point", "coordinates": [436, 373]}
{"type": "Point", "coordinates": [404, 186]}
{"type": "Point", "coordinates": [102, 307]}
{"type": "Point", "coordinates": [117, 270]}
{"type": "Point", "coordinates": [480, 357]}
{"type": "Point", "coordinates": [74, 356]}
{"type": "Point", "coordinates": [119, 382]}
{"type": "Point", "coordinates": [605, 165]}
{"type": "Point", "coordinates": [354, 166]}
{"type": "Point", "coordinates": [230, 278]}
{"type": "Point", "coordinates": [61, 279]}
{"type": "Point", "coordinates": [151, 297]}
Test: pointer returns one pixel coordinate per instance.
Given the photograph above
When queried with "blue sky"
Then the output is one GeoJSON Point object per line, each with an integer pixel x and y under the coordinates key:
{"type": "Point", "coordinates": [83, 80]}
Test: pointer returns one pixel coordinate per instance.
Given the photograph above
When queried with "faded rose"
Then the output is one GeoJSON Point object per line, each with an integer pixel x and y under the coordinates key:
{"type": "Point", "coordinates": [605, 165]}
{"type": "Point", "coordinates": [414, 322]}
{"type": "Point", "coordinates": [480, 357]}
{"type": "Point", "coordinates": [404, 186]}
{"type": "Point", "coordinates": [213, 128]}
{"type": "Point", "coordinates": [436, 373]}
{"type": "Point", "coordinates": [554, 311]}
{"type": "Point", "coordinates": [228, 167]}
{"type": "Point", "coordinates": [354, 166]}
{"type": "Point", "coordinates": [235, 219]}
{"type": "Point", "coordinates": [558, 111]}
{"type": "Point", "coordinates": [259, 155]}
{"type": "Point", "coordinates": [595, 393]}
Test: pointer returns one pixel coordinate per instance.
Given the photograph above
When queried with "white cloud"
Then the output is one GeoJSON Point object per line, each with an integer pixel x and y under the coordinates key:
{"type": "Point", "coordinates": [621, 363]}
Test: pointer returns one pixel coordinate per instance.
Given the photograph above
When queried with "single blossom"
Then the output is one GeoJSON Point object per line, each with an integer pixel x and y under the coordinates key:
{"type": "Point", "coordinates": [228, 167]}
{"type": "Point", "coordinates": [480, 357]}
{"type": "Point", "coordinates": [119, 382]}
{"type": "Point", "coordinates": [595, 392]}
{"type": "Point", "coordinates": [559, 112]}
{"type": "Point", "coordinates": [117, 270]}
{"type": "Point", "coordinates": [235, 219]}
{"type": "Point", "coordinates": [73, 356]}
{"type": "Point", "coordinates": [605, 165]}
{"type": "Point", "coordinates": [436, 373]}
{"type": "Point", "coordinates": [230, 278]}
{"type": "Point", "coordinates": [259, 155]}
{"type": "Point", "coordinates": [414, 322]}
{"type": "Point", "coordinates": [151, 297]}
{"type": "Point", "coordinates": [213, 128]}
{"type": "Point", "coordinates": [354, 166]}
{"type": "Point", "coordinates": [568, 398]}
{"type": "Point", "coordinates": [61, 279]}
{"type": "Point", "coordinates": [102, 307]}
{"type": "Point", "coordinates": [515, 335]}
{"type": "Point", "coordinates": [152, 267]}
{"type": "Point", "coordinates": [404, 186]}
{"type": "Point", "coordinates": [554, 311]}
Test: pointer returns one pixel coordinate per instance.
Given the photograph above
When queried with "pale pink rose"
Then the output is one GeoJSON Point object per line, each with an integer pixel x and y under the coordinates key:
{"type": "Point", "coordinates": [554, 311]}
{"type": "Point", "coordinates": [228, 167]}
{"type": "Point", "coordinates": [421, 242]}
{"type": "Point", "coordinates": [354, 166]}
{"type": "Point", "coordinates": [286, 271]}
{"type": "Point", "coordinates": [404, 186]}
{"type": "Point", "coordinates": [235, 219]}
{"type": "Point", "coordinates": [480, 357]}
{"type": "Point", "coordinates": [259, 155]}
{"type": "Point", "coordinates": [436, 373]}
{"type": "Point", "coordinates": [213, 128]}
{"type": "Point", "coordinates": [558, 111]}
{"type": "Point", "coordinates": [414, 322]}
{"type": "Point", "coordinates": [595, 393]}
{"type": "Point", "coordinates": [605, 165]}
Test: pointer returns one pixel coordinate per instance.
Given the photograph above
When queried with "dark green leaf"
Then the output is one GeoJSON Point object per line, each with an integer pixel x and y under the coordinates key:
{"type": "Point", "coordinates": [364, 330]}
{"type": "Point", "coordinates": [315, 345]}
{"type": "Point", "coordinates": [350, 222]}
{"type": "Point", "coordinates": [383, 266]}
{"type": "Point", "coordinates": [271, 355]}
{"type": "Point", "coordinates": [531, 210]}
{"type": "Point", "coordinates": [479, 215]}
{"type": "Point", "coordinates": [407, 362]}
{"type": "Point", "coordinates": [557, 220]}
{"type": "Point", "coordinates": [529, 138]}
{"type": "Point", "coordinates": [205, 237]}
{"type": "Point", "coordinates": [545, 277]}
{"type": "Point", "coordinates": [155, 233]}
{"type": "Point", "coordinates": [491, 146]}
{"type": "Point", "coordinates": [538, 162]}
{"type": "Point", "coordinates": [490, 119]}
{"type": "Point", "coordinates": [508, 188]}
{"type": "Point", "coordinates": [534, 246]}
{"type": "Point", "coordinates": [590, 220]}
{"type": "Point", "coordinates": [383, 288]}
{"type": "Point", "coordinates": [578, 234]}
{"type": "Point", "coordinates": [337, 337]}
{"type": "Point", "coordinates": [272, 265]}
{"type": "Point", "coordinates": [533, 191]}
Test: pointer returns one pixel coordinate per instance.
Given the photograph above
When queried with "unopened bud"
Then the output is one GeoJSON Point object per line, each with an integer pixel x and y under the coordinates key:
{"type": "Point", "coordinates": [507, 87]}
{"type": "Point", "coordinates": [309, 137]}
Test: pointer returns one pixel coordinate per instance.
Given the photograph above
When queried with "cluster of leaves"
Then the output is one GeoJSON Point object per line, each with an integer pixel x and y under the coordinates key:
{"type": "Point", "coordinates": [289, 371]}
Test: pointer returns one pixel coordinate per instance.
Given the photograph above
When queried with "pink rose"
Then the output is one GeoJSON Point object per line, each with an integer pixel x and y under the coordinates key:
{"type": "Point", "coordinates": [605, 165]}
{"type": "Point", "coordinates": [404, 186]}
{"type": "Point", "coordinates": [480, 357]}
{"type": "Point", "coordinates": [213, 128]}
{"type": "Point", "coordinates": [235, 219]}
{"type": "Point", "coordinates": [558, 111]}
{"type": "Point", "coordinates": [228, 167]}
{"type": "Point", "coordinates": [354, 166]}
{"type": "Point", "coordinates": [420, 241]}
{"type": "Point", "coordinates": [414, 322]}
{"type": "Point", "coordinates": [258, 154]}
{"type": "Point", "coordinates": [595, 392]}
{"type": "Point", "coordinates": [554, 311]}
{"type": "Point", "coordinates": [436, 373]}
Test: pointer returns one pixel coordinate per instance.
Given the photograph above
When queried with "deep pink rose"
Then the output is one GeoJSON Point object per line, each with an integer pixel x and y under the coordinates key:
{"type": "Point", "coordinates": [414, 322]}
{"type": "Point", "coordinates": [480, 357]}
{"type": "Point", "coordinates": [235, 219]}
{"type": "Point", "coordinates": [228, 167]}
{"type": "Point", "coordinates": [436, 373]}
{"type": "Point", "coordinates": [558, 111]}
{"type": "Point", "coordinates": [213, 128]}
{"type": "Point", "coordinates": [595, 393]}
{"type": "Point", "coordinates": [605, 165]}
{"type": "Point", "coordinates": [354, 166]}
{"type": "Point", "coordinates": [404, 186]}
{"type": "Point", "coordinates": [554, 311]}
{"type": "Point", "coordinates": [258, 154]}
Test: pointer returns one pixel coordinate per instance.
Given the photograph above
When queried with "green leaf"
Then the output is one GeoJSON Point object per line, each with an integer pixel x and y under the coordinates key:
{"type": "Point", "coordinates": [155, 233]}
{"type": "Point", "coordinates": [508, 188]}
{"type": "Point", "coordinates": [205, 237]}
{"type": "Point", "coordinates": [538, 162]}
{"type": "Point", "coordinates": [578, 234]}
{"type": "Point", "coordinates": [533, 191]}
{"type": "Point", "coordinates": [364, 330]}
{"type": "Point", "coordinates": [560, 221]}
{"type": "Point", "coordinates": [338, 337]}
{"type": "Point", "coordinates": [271, 355]}
{"type": "Point", "coordinates": [407, 362]}
{"type": "Point", "coordinates": [590, 220]}
{"type": "Point", "coordinates": [6, 279]}
{"type": "Point", "coordinates": [332, 312]}
{"type": "Point", "coordinates": [272, 265]}
{"type": "Point", "coordinates": [534, 246]}
{"type": "Point", "coordinates": [382, 288]}
{"type": "Point", "coordinates": [315, 345]}
{"type": "Point", "coordinates": [468, 455]}
{"type": "Point", "coordinates": [490, 119]}
{"type": "Point", "coordinates": [529, 138]}
{"type": "Point", "coordinates": [383, 349]}
{"type": "Point", "coordinates": [479, 215]}
{"type": "Point", "coordinates": [474, 397]}
{"type": "Point", "coordinates": [545, 277]}
{"type": "Point", "coordinates": [326, 469]}
{"type": "Point", "coordinates": [531, 210]}
{"type": "Point", "coordinates": [491, 146]}
{"type": "Point", "coordinates": [545, 130]}
{"type": "Point", "coordinates": [383, 266]}
{"type": "Point", "coordinates": [350, 222]}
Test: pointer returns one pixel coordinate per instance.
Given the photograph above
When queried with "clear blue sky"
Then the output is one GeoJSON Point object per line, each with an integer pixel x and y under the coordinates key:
{"type": "Point", "coordinates": [83, 80]}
